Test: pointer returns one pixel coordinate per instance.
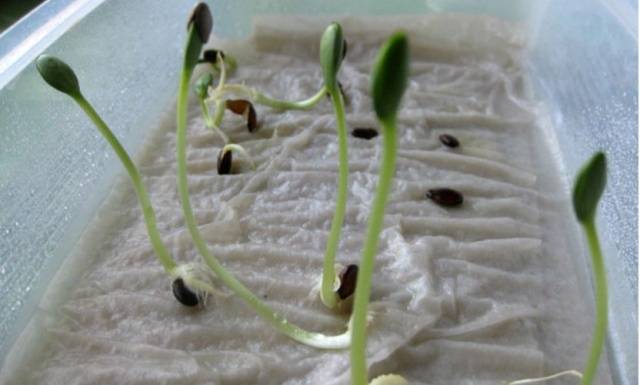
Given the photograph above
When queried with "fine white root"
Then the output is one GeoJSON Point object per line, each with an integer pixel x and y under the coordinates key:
{"type": "Point", "coordinates": [547, 378]}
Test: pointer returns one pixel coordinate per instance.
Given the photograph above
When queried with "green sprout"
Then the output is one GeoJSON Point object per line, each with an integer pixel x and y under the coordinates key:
{"type": "Point", "coordinates": [332, 47]}
{"type": "Point", "coordinates": [201, 89]}
{"type": "Point", "coordinates": [194, 43]}
{"type": "Point", "coordinates": [588, 189]}
{"type": "Point", "coordinates": [388, 82]}
{"type": "Point", "coordinates": [190, 283]}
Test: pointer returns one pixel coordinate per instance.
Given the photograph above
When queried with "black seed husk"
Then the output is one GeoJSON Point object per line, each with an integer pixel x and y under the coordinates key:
{"type": "Point", "coordinates": [252, 119]}
{"type": "Point", "coordinates": [203, 22]}
{"type": "Point", "coordinates": [183, 294]}
{"type": "Point", "coordinates": [364, 133]}
{"type": "Point", "coordinates": [348, 278]}
{"type": "Point", "coordinates": [344, 49]}
{"type": "Point", "coordinates": [445, 197]}
{"type": "Point", "coordinates": [224, 162]}
{"type": "Point", "coordinates": [211, 56]}
{"type": "Point", "coordinates": [449, 140]}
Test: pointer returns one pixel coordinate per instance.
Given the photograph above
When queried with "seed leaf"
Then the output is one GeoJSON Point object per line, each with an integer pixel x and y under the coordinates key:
{"type": "Point", "coordinates": [389, 76]}
{"type": "Point", "coordinates": [202, 85]}
{"type": "Point", "coordinates": [590, 184]}
{"type": "Point", "coordinates": [331, 54]}
{"type": "Point", "coordinates": [58, 75]}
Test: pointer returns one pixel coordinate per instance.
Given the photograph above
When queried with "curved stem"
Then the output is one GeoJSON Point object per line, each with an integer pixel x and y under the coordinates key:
{"type": "Point", "coordinates": [279, 322]}
{"type": "Point", "coordinates": [261, 98]}
{"type": "Point", "coordinates": [367, 261]}
{"type": "Point", "coordinates": [600, 328]}
{"type": "Point", "coordinates": [240, 150]}
{"type": "Point", "coordinates": [327, 293]}
{"type": "Point", "coordinates": [160, 250]}
{"type": "Point", "coordinates": [211, 122]}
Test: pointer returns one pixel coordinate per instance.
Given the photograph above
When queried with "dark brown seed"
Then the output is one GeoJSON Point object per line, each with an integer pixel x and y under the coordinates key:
{"type": "Point", "coordinates": [449, 140]}
{"type": "Point", "coordinates": [245, 108]}
{"type": "Point", "coordinates": [445, 197]}
{"type": "Point", "coordinates": [202, 21]}
{"type": "Point", "coordinates": [237, 106]}
{"type": "Point", "coordinates": [344, 49]}
{"type": "Point", "coordinates": [348, 279]}
{"type": "Point", "coordinates": [224, 162]}
{"type": "Point", "coordinates": [364, 133]}
{"type": "Point", "coordinates": [183, 294]}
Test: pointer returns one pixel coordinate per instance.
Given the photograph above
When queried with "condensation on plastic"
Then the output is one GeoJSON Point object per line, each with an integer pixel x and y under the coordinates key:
{"type": "Point", "coordinates": [56, 168]}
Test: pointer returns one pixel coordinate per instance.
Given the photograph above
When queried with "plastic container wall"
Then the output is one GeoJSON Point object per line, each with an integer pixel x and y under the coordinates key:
{"type": "Point", "coordinates": [56, 168]}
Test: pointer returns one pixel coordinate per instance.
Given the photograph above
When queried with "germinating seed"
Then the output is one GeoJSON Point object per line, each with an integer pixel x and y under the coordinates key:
{"type": "Point", "coordinates": [364, 133]}
{"type": "Point", "coordinates": [449, 140]}
{"type": "Point", "coordinates": [245, 108]}
{"type": "Point", "coordinates": [183, 294]}
{"type": "Point", "coordinates": [348, 278]}
{"type": "Point", "coordinates": [224, 162]}
{"type": "Point", "coordinates": [445, 197]}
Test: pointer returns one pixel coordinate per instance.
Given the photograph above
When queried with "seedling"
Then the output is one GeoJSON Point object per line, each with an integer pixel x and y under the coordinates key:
{"type": "Point", "coordinates": [388, 83]}
{"type": "Point", "coordinates": [332, 48]}
{"type": "Point", "coordinates": [190, 284]}
{"type": "Point", "coordinates": [201, 89]}
{"type": "Point", "coordinates": [587, 191]}
{"type": "Point", "coordinates": [194, 43]}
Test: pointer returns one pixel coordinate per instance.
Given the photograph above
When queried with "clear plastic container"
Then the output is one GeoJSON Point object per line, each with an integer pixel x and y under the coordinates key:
{"type": "Point", "coordinates": [55, 172]}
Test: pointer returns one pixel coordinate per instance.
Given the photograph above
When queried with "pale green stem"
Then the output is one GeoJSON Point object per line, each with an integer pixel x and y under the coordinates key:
{"type": "Point", "coordinates": [600, 276]}
{"type": "Point", "coordinates": [327, 293]}
{"type": "Point", "coordinates": [260, 98]}
{"type": "Point", "coordinates": [217, 118]}
{"type": "Point", "coordinates": [160, 250]}
{"type": "Point", "coordinates": [279, 322]}
{"type": "Point", "coordinates": [367, 261]}
{"type": "Point", "coordinates": [211, 122]}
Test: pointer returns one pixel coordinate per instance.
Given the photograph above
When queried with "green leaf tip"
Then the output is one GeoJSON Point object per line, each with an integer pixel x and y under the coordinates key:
{"type": "Point", "coordinates": [589, 186]}
{"type": "Point", "coordinates": [389, 76]}
{"type": "Point", "coordinates": [331, 54]}
{"type": "Point", "coordinates": [202, 85]}
{"type": "Point", "coordinates": [202, 21]}
{"type": "Point", "coordinates": [58, 74]}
